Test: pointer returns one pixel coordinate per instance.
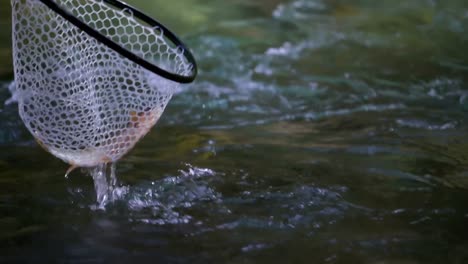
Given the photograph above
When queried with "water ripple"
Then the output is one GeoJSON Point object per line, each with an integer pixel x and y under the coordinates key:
{"type": "Point", "coordinates": [164, 201]}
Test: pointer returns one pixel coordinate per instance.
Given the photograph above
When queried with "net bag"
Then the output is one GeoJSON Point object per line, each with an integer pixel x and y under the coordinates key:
{"type": "Point", "coordinates": [93, 76]}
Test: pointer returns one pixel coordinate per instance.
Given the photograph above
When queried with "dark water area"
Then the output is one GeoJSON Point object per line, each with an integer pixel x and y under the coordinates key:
{"type": "Point", "coordinates": [317, 132]}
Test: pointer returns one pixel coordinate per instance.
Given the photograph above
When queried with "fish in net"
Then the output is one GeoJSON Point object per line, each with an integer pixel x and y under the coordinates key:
{"type": "Point", "coordinates": [93, 76]}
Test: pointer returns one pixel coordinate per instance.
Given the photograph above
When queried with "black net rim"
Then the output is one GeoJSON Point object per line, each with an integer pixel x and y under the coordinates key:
{"type": "Point", "coordinates": [125, 52]}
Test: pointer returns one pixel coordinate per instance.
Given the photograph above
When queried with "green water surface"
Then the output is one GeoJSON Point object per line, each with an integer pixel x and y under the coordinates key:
{"type": "Point", "coordinates": [318, 131]}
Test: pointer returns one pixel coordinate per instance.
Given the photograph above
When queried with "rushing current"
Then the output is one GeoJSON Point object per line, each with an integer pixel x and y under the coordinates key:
{"type": "Point", "coordinates": [318, 131]}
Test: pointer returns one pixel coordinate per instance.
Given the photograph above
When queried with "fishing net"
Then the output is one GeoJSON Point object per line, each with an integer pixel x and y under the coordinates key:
{"type": "Point", "coordinates": [93, 77]}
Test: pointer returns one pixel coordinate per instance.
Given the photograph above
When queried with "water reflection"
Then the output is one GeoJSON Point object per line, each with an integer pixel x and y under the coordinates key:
{"type": "Point", "coordinates": [319, 131]}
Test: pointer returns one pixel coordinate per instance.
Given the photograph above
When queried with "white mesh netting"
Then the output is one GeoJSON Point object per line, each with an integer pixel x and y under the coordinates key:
{"type": "Point", "coordinates": [82, 101]}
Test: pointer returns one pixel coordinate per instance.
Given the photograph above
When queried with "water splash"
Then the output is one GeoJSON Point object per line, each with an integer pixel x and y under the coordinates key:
{"type": "Point", "coordinates": [107, 190]}
{"type": "Point", "coordinates": [14, 94]}
{"type": "Point", "coordinates": [166, 201]}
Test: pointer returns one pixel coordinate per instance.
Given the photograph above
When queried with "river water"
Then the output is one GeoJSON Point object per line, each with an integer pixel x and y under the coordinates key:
{"type": "Point", "coordinates": [317, 132]}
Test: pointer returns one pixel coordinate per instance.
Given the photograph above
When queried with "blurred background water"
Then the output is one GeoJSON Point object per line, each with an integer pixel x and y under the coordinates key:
{"type": "Point", "coordinates": [318, 131]}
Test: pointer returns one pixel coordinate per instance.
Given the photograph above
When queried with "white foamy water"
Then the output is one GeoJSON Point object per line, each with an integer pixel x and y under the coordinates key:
{"type": "Point", "coordinates": [105, 185]}
{"type": "Point", "coordinates": [165, 201]}
{"type": "Point", "coordinates": [158, 202]}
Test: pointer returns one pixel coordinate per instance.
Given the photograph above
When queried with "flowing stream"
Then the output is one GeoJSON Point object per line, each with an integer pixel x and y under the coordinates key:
{"type": "Point", "coordinates": [317, 132]}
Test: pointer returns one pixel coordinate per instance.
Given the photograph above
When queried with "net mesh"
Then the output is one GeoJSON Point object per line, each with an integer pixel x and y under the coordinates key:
{"type": "Point", "coordinates": [82, 101]}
